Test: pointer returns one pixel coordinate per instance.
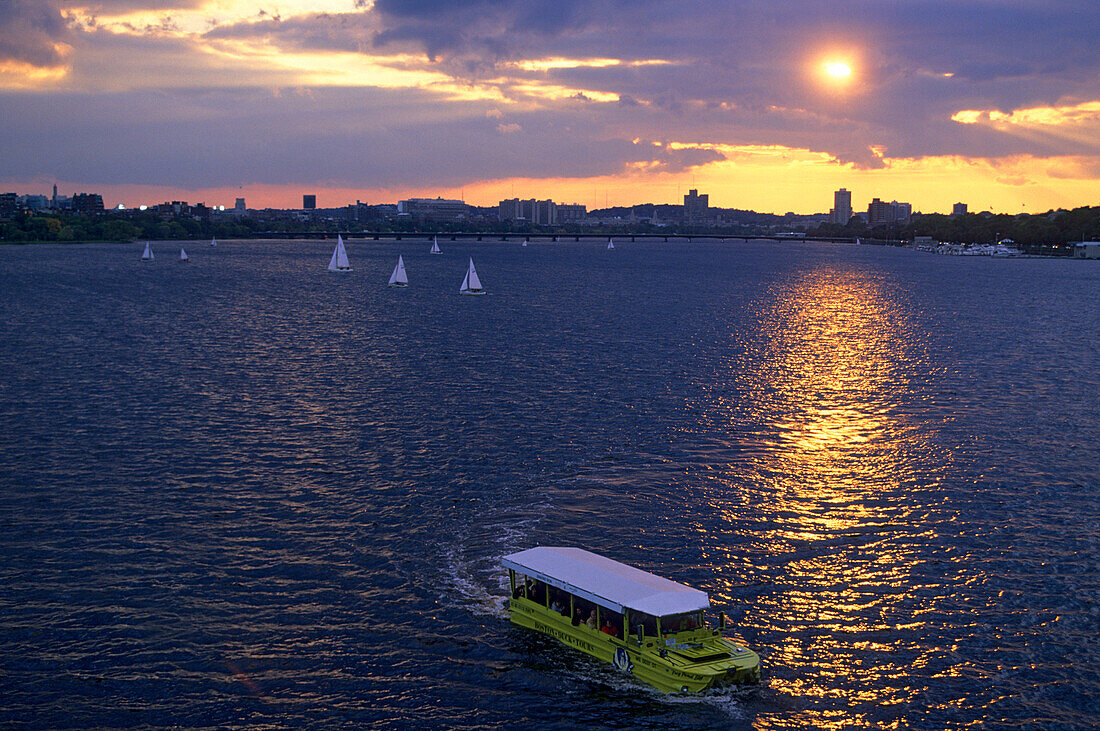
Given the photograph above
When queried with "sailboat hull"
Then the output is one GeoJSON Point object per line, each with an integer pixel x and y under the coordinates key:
{"type": "Point", "coordinates": [399, 285]}
{"type": "Point", "coordinates": [474, 292]}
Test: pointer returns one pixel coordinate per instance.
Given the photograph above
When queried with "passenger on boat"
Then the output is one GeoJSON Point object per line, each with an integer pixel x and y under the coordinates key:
{"type": "Point", "coordinates": [592, 620]}
{"type": "Point", "coordinates": [608, 629]}
{"type": "Point", "coordinates": [556, 605]}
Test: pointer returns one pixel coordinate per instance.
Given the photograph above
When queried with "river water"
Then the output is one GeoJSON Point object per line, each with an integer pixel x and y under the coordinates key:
{"type": "Point", "coordinates": [246, 491]}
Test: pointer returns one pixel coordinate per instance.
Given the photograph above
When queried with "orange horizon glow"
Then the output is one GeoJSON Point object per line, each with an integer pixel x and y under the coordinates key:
{"type": "Point", "coordinates": [767, 179]}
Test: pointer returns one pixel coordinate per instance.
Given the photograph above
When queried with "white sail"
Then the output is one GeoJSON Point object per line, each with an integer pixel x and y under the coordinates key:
{"type": "Point", "coordinates": [471, 284]}
{"type": "Point", "coordinates": [435, 246]}
{"type": "Point", "coordinates": [399, 278]}
{"type": "Point", "coordinates": [339, 260]}
{"type": "Point", "coordinates": [183, 255]}
{"type": "Point", "coordinates": [610, 244]}
{"type": "Point", "coordinates": [214, 241]}
{"type": "Point", "coordinates": [147, 255]}
{"type": "Point", "coordinates": [525, 242]}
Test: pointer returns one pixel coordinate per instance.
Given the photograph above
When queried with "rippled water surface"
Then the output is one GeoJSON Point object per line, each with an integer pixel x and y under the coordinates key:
{"type": "Point", "coordinates": [245, 491]}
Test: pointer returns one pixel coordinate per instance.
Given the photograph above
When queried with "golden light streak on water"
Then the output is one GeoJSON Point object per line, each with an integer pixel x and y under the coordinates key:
{"type": "Point", "coordinates": [832, 356]}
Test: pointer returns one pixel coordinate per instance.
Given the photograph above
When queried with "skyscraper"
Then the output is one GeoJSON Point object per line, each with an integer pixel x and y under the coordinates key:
{"type": "Point", "coordinates": [696, 207]}
{"type": "Point", "coordinates": [309, 202]}
{"type": "Point", "coordinates": [842, 207]}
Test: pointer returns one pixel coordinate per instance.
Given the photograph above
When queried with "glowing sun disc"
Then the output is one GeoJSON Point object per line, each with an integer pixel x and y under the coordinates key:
{"type": "Point", "coordinates": [838, 69]}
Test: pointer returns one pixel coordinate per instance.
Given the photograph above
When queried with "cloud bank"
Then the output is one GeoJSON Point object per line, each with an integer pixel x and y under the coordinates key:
{"type": "Point", "coordinates": [423, 92]}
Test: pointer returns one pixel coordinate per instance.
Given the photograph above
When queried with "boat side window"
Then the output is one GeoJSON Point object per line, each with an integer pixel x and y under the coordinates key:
{"type": "Point", "coordinates": [648, 622]}
{"type": "Point", "coordinates": [559, 601]}
{"type": "Point", "coordinates": [611, 622]}
{"type": "Point", "coordinates": [582, 611]}
{"type": "Point", "coordinates": [674, 623]}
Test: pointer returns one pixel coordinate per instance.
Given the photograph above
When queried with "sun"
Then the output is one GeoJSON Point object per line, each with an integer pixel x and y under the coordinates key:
{"type": "Point", "coordinates": [838, 69]}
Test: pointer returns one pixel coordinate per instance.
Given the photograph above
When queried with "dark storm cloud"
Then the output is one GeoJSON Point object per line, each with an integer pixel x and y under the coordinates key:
{"type": "Point", "coordinates": [738, 73]}
{"type": "Point", "coordinates": [231, 136]}
{"type": "Point", "coordinates": [30, 31]}
{"type": "Point", "coordinates": [756, 56]}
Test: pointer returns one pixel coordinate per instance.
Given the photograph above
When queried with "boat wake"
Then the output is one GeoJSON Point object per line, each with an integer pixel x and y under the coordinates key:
{"type": "Point", "coordinates": [479, 583]}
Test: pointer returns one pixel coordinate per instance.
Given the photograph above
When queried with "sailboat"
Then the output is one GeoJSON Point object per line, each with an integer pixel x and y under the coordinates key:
{"type": "Point", "coordinates": [471, 284]}
{"type": "Point", "coordinates": [183, 257]}
{"type": "Point", "coordinates": [610, 244]}
{"type": "Point", "coordinates": [435, 246]}
{"type": "Point", "coordinates": [147, 255]}
{"type": "Point", "coordinates": [339, 260]}
{"type": "Point", "coordinates": [525, 242]}
{"type": "Point", "coordinates": [214, 241]}
{"type": "Point", "coordinates": [399, 278]}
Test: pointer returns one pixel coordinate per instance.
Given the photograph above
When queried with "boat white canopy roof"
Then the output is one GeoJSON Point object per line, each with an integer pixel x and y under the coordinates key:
{"type": "Point", "coordinates": [608, 583]}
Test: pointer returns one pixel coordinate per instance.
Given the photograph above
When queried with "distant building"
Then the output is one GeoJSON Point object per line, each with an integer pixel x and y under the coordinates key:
{"type": "Point", "coordinates": [543, 213]}
{"type": "Point", "coordinates": [842, 207]}
{"type": "Point", "coordinates": [1087, 250]}
{"type": "Point", "coordinates": [546, 213]}
{"type": "Point", "coordinates": [568, 212]}
{"type": "Point", "coordinates": [959, 209]}
{"type": "Point", "coordinates": [87, 204]}
{"type": "Point", "coordinates": [509, 210]}
{"type": "Point", "coordinates": [309, 202]}
{"type": "Point", "coordinates": [880, 212]}
{"type": "Point", "coordinates": [35, 202]}
{"type": "Point", "coordinates": [9, 203]}
{"type": "Point", "coordinates": [172, 208]}
{"type": "Point", "coordinates": [696, 207]}
{"type": "Point", "coordinates": [239, 205]}
{"type": "Point", "coordinates": [433, 209]}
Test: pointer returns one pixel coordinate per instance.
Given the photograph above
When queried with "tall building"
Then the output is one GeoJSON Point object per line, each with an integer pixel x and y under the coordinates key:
{"type": "Point", "coordinates": [696, 207]}
{"type": "Point", "coordinates": [546, 213]}
{"type": "Point", "coordinates": [959, 209]}
{"type": "Point", "coordinates": [880, 212]}
{"type": "Point", "coordinates": [239, 205]}
{"type": "Point", "coordinates": [509, 210]}
{"type": "Point", "coordinates": [87, 203]}
{"type": "Point", "coordinates": [9, 203]}
{"type": "Point", "coordinates": [309, 202]}
{"type": "Point", "coordinates": [842, 207]}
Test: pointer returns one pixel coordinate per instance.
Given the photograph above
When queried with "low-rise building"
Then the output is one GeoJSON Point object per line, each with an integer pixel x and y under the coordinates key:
{"type": "Point", "coordinates": [87, 204]}
{"type": "Point", "coordinates": [1087, 250]}
{"type": "Point", "coordinates": [433, 209]}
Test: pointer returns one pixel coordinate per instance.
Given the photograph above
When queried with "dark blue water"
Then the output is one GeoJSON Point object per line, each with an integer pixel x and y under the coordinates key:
{"type": "Point", "coordinates": [246, 491]}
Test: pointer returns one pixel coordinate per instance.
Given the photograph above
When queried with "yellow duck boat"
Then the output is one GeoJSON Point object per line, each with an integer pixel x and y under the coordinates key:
{"type": "Point", "coordinates": [643, 624]}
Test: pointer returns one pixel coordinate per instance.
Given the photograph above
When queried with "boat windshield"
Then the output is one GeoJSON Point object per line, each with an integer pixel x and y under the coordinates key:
{"type": "Point", "coordinates": [682, 622]}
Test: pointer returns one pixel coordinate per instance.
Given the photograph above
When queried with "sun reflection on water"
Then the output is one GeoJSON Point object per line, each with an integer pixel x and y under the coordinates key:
{"type": "Point", "coordinates": [837, 469]}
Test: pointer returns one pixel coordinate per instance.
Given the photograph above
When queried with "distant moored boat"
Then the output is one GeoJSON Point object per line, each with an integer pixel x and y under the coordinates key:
{"type": "Point", "coordinates": [183, 256]}
{"type": "Point", "coordinates": [435, 246]}
{"type": "Point", "coordinates": [147, 255]}
{"type": "Point", "coordinates": [610, 244]}
{"type": "Point", "coordinates": [214, 241]}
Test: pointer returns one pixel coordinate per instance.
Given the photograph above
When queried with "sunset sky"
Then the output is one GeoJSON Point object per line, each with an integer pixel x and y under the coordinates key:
{"type": "Point", "coordinates": [767, 105]}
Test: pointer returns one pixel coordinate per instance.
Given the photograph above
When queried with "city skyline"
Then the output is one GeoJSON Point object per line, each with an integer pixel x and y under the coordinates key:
{"type": "Point", "coordinates": [765, 107]}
